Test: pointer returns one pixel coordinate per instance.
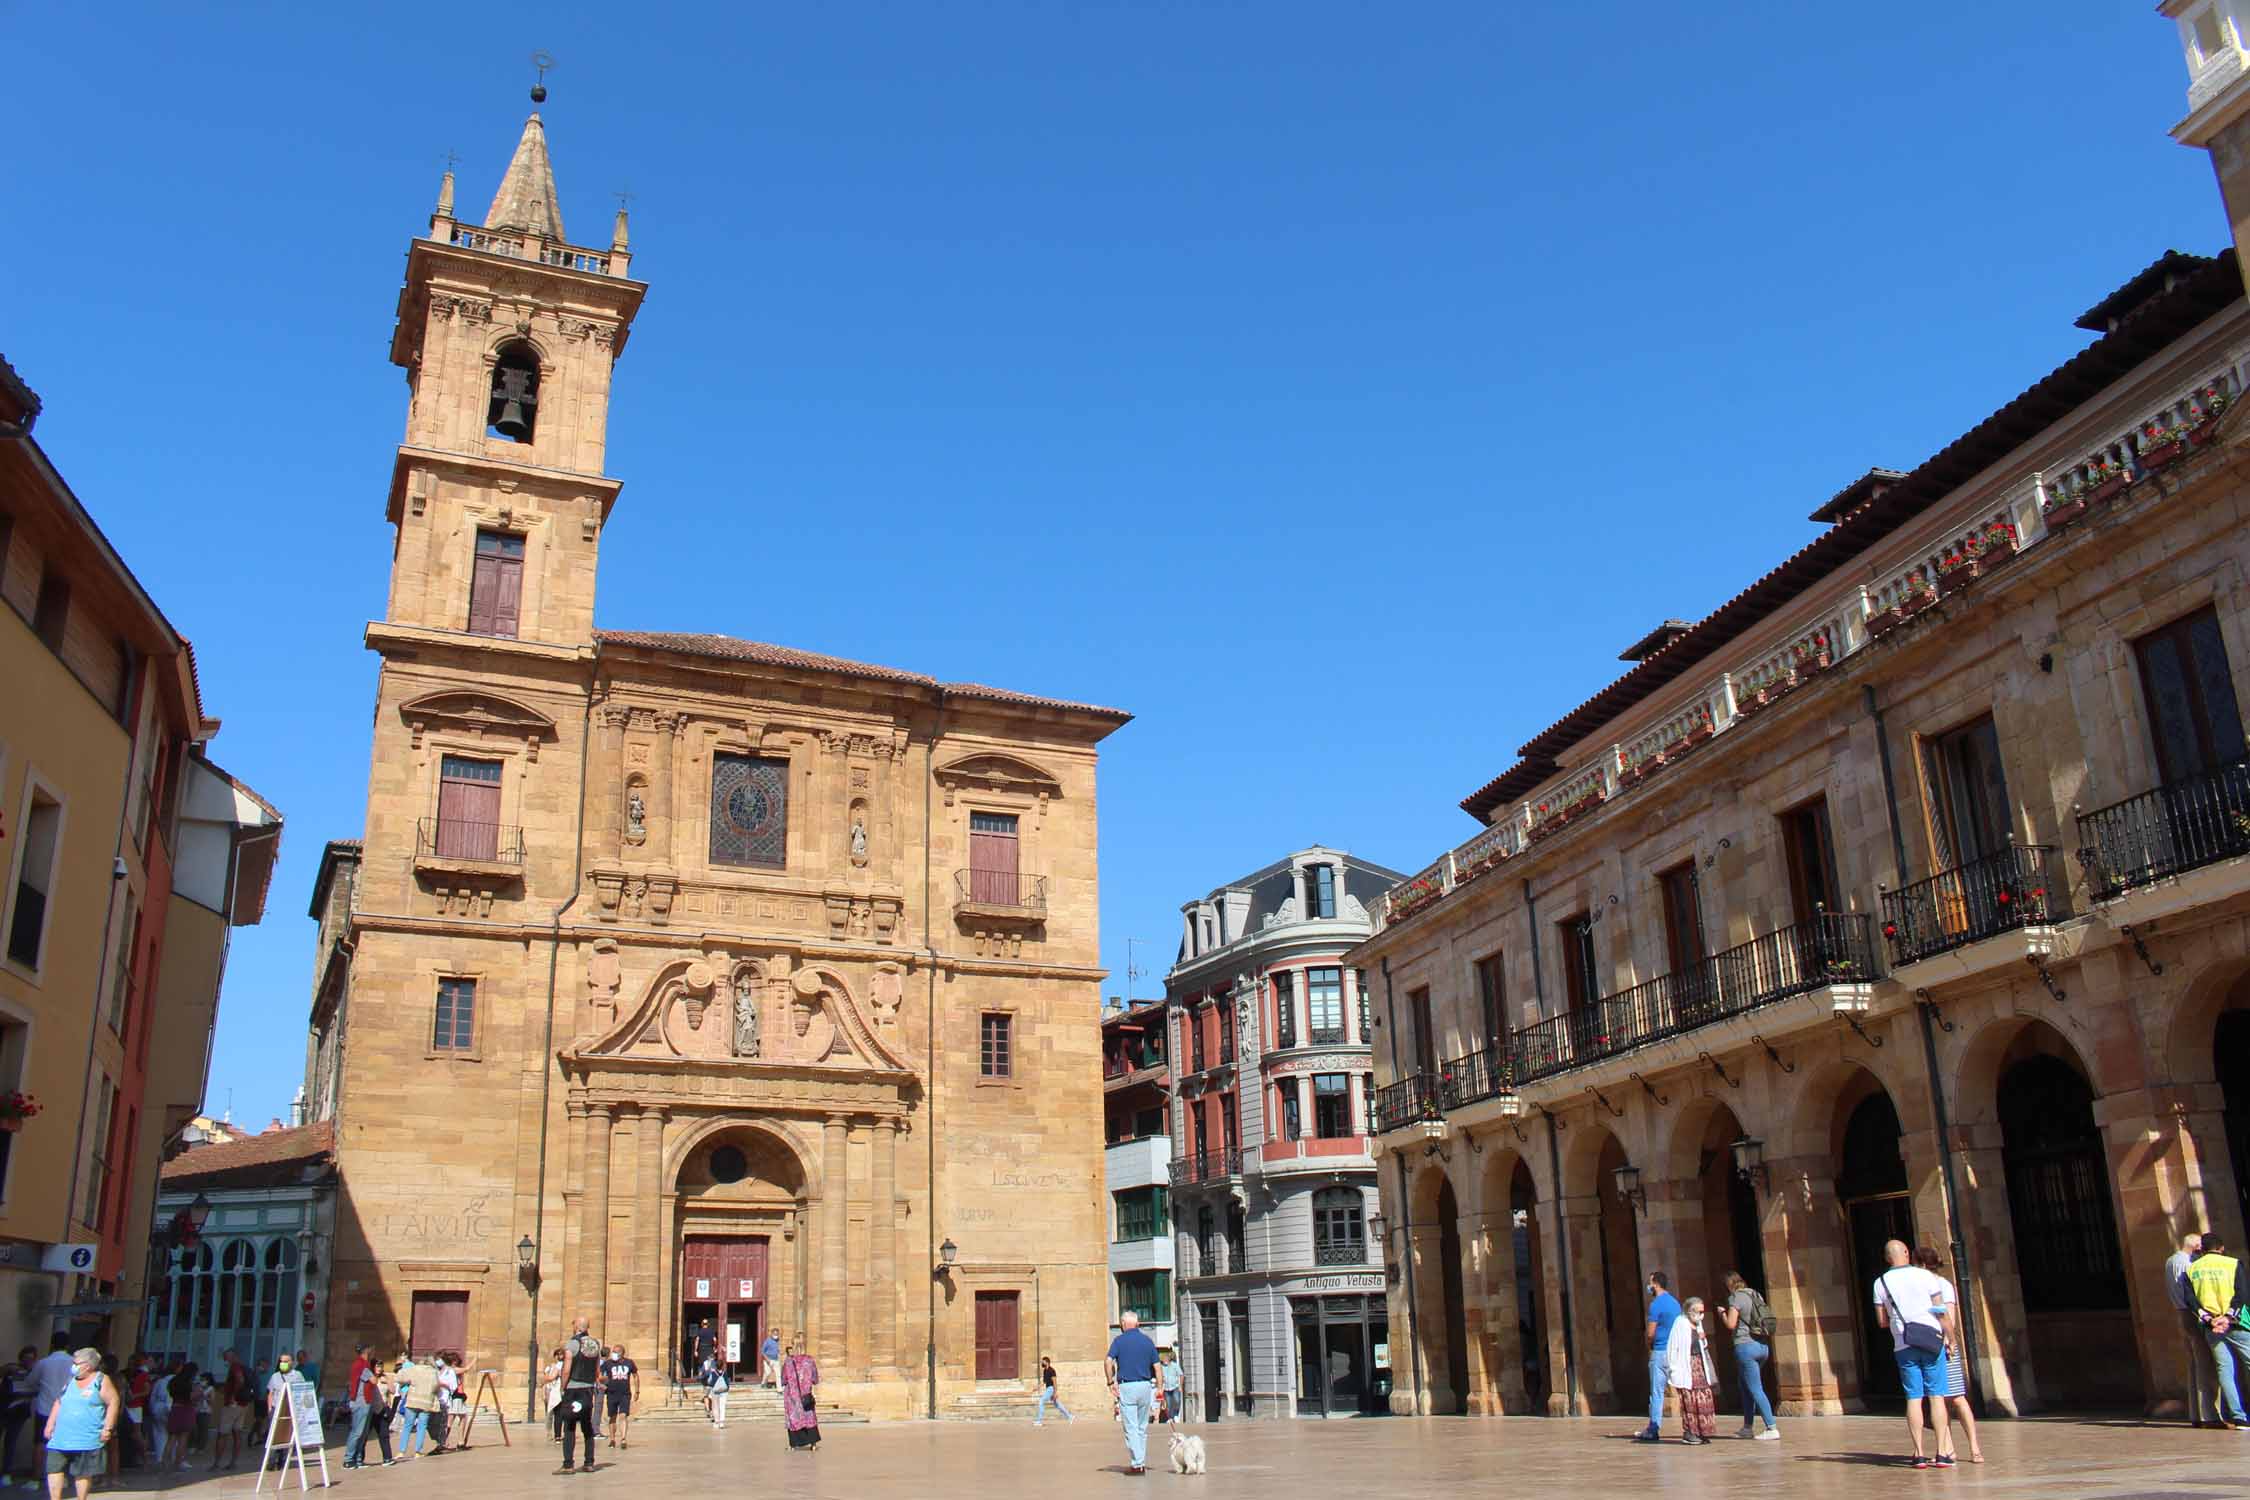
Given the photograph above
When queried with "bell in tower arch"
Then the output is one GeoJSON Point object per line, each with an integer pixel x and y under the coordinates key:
{"type": "Point", "coordinates": [514, 409]}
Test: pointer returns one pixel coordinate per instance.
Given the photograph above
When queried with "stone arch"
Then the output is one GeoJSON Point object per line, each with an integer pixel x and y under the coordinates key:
{"type": "Point", "coordinates": [2004, 1040]}
{"type": "Point", "coordinates": [1440, 1293]}
{"type": "Point", "coordinates": [1514, 1334]}
{"type": "Point", "coordinates": [2213, 993]}
{"type": "Point", "coordinates": [773, 1136]}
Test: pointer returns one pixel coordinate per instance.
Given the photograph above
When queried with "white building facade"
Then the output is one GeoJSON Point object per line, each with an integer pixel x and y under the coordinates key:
{"type": "Point", "coordinates": [1281, 1308]}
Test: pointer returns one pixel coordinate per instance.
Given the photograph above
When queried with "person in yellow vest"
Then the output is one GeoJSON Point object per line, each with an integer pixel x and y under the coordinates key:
{"type": "Point", "coordinates": [2218, 1307]}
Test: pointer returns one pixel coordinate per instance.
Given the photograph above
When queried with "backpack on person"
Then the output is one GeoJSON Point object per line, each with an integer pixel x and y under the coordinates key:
{"type": "Point", "coordinates": [1761, 1320]}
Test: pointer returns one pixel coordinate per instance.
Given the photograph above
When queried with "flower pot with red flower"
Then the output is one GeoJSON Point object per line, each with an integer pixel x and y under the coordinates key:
{"type": "Point", "coordinates": [1812, 656]}
{"type": "Point", "coordinates": [2205, 407]}
{"type": "Point", "coordinates": [15, 1108]}
{"type": "Point", "coordinates": [2160, 443]}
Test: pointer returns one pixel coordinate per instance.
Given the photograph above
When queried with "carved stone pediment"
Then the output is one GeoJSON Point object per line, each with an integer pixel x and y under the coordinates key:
{"type": "Point", "coordinates": [478, 712]}
{"type": "Point", "coordinates": [999, 772]}
{"type": "Point", "coordinates": [706, 1009]}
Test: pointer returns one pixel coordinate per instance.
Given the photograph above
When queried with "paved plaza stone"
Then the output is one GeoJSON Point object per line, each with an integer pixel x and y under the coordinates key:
{"type": "Point", "coordinates": [1843, 1457]}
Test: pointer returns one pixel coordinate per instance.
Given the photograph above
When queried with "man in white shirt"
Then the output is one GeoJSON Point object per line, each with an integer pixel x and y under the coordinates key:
{"type": "Point", "coordinates": [1906, 1298]}
{"type": "Point", "coordinates": [2202, 1396]}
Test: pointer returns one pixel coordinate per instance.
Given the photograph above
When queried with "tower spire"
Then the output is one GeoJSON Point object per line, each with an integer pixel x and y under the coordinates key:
{"type": "Point", "coordinates": [526, 200]}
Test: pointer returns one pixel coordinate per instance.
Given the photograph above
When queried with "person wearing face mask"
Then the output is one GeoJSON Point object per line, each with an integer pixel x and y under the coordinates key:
{"type": "Point", "coordinates": [1688, 1370]}
{"type": "Point", "coordinates": [277, 1400]}
{"type": "Point", "coordinates": [81, 1423]}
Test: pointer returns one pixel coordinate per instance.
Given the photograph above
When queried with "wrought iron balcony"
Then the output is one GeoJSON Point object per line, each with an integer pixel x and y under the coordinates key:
{"type": "Point", "coordinates": [1408, 1100]}
{"type": "Point", "coordinates": [2176, 828]}
{"type": "Point", "coordinates": [469, 843]}
{"type": "Point", "coordinates": [1340, 1253]}
{"type": "Point", "coordinates": [1969, 903]}
{"type": "Point", "coordinates": [1327, 1036]}
{"type": "Point", "coordinates": [1000, 892]}
{"type": "Point", "coordinates": [1206, 1166]}
{"type": "Point", "coordinates": [1832, 948]}
{"type": "Point", "coordinates": [1480, 1075]}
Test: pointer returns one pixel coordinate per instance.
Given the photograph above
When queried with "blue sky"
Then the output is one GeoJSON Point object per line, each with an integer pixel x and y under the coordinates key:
{"type": "Point", "coordinates": [1338, 388]}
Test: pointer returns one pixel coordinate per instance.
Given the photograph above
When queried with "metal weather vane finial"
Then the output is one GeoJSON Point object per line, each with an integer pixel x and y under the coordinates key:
{"type": "Point", "coordinates": [542, 61]}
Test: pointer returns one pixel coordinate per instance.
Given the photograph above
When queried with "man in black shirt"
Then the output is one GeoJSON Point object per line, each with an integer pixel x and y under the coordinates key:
{"type": "Point", "coordinates": [622, 1378]}
{"type": "Point", "coordinates": [706, 1344]}
{"type": "Point", "coordinates": [582, 1360]}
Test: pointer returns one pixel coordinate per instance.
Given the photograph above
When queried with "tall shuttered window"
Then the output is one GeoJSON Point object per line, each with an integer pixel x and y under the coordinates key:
{"type": "Point", "coordinates": [496, 584]}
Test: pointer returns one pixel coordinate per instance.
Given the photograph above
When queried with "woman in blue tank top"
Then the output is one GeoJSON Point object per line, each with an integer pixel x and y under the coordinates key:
{"type": "Point", "coordinates": [79, 1427]}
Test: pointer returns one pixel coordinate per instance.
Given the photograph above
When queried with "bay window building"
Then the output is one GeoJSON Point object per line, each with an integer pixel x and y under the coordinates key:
{"type": "Point", "coordinates": [1281, 1309]}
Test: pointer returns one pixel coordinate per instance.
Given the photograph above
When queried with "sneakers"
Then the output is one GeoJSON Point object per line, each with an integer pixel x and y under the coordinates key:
{"type": "Point", "coordinates": [1942, 1461]}
{"type": "Point", "coordinates": [1920, 1462]}
{"type": "Point", "coordinates": [1770, 1435]}
{"type": "Point", "coordinates": [1745, 1430]}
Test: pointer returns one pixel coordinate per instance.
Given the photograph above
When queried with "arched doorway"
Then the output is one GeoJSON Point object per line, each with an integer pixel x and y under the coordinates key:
{"type": "Point", "coordinates": [1872, 1187]}
{"type": "Point", "coordinates": [1527, 1261]}
{"type": "Point", "coordinates": [1453, 1398]}
{"type": "Point", "coordinates": [1621, 1281]}
{"type": "Point", "coordinates": [1731, 1239]}
{"type": "Point", "coordinates": [2230, 1056]}
{"type": "Point", "coordinates": [738, 1261]}
{"type": "Point", "coordinates": [2077, 1315]}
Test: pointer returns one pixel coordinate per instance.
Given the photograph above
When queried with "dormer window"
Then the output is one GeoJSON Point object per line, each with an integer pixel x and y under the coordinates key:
{"type": "Point", "coordinates": [2210, 32]}
{"type": "Point", "coordinates": [1320, 893]}
{"type": "Point", "coordinates": [514, 409]}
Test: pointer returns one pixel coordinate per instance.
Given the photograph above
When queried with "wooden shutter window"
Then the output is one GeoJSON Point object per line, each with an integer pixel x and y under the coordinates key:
{"type": "Point", "coordinates": [468, 812]}
{"type": "Point", "coordinates": [993, 858]}
{"type": "Point", "coordinates": [496, 584]}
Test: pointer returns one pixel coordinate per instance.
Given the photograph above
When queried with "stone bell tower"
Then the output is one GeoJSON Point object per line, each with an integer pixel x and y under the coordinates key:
{"type": "Point", "coordinates": [508, 333]}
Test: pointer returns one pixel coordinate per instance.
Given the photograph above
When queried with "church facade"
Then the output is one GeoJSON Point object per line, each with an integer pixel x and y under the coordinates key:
{"type": "Point", "coordinates": [681, 977]}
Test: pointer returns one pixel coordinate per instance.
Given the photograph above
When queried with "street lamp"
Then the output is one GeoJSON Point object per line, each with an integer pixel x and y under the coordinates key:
{"type": "Point", "coordinates": [1628, 1178]}
{"type": "Point", "coordinates": [527, 1261]}
{"type": "Point", "coordinates": [946, 1254]}
{"type": "Point", "coordinates": [1750, 1160]}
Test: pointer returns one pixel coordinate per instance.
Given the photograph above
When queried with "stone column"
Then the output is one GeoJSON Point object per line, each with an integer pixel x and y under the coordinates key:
{"type": "Point", "coordinates": [663, 798]}
{"type": "Point", "coordinates": [1810, 1286]}
{"type": "Point", "coordinates": [1501, 1347]}
{"type": "Point", "coordinates": [593, 1297]}
{"type": "Point", "coordinates": [648, 1230]}
{"type": "Point", "coordinates": [882, 1261]}
{"type": "Point", "coordinates": [608, 770]}
{"type": "Point", "coordinates": [834, 1211]}
{"type": "Point", "coordinates": [574, 1152]}
{"type": "Point", "coordinates": [1581, 1226]}
{"type": "Point", "coordinates": [2001, 1328]}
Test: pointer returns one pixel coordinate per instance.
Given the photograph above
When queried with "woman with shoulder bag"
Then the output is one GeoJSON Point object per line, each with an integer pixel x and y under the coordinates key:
{"type": "Point", "coordinates": [798, 1377]}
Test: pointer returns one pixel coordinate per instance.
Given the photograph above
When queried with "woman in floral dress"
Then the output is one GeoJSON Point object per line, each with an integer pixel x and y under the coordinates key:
{"type": "Point", "coordinates": [798, 1377]}
{"type": "Point", "coordinates": [1688, 1369]}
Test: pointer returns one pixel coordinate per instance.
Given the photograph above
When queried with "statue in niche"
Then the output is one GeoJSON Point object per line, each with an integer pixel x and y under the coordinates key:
{"type": "Point", "coordinates": [859, 841]}
{"type": "Point", "coordinates": [745, 1014]}
{"type": "Point", "coordinates": [636, 814]}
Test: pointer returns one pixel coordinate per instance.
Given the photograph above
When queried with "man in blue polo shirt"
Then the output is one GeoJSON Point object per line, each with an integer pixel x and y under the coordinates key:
{"type": "Point", "coordinates": [1132, 1371]}
{"type": "Point", "coordinates": [1663, 1312]}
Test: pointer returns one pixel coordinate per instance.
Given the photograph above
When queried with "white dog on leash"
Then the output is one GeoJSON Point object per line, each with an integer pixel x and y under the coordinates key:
{"type": "Point", "coordinates": [1187, 1453]}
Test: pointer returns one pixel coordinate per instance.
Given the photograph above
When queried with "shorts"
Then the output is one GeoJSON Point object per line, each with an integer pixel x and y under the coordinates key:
{"type": "Point", "coordinates": [230, 1418]}
{"type": "Point", "coordinates": [620, 1403]}
{"type": "Point", "coordinates": [1921, 1372]}
{"type": "Point", "coordinates": [75, 1464]}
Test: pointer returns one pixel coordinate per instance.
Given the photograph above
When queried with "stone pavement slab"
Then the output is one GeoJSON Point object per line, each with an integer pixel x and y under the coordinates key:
{"type": "Point", "coordinates": [1841, 1457]}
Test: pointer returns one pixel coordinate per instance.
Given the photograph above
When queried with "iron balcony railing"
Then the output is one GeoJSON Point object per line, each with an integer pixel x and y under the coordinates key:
{"type": "Point", "coordinates": [1408, 1100]}
{"type": "Point", "coordinates": [1000, 888]}
{"type": "Point", "coordinates": [451, 838]}
{"type": "Point", "coordinates": [1327, 1036]}
{"type": "Point", "coordinates": [1831, 948]}
{"type": "Point", "coordinates": [1489, 1070]}
{"type": "Point", "coordinates": [1206, 1166]}
{"type": "Point", "coordinates": [1969, 903]}
{"type": "Point", "coordinates": [1340, 1253]}
{"type": "Point", "coordinates": [2169, 831]}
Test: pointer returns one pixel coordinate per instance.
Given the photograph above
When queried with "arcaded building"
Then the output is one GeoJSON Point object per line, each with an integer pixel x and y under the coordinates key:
{"type": "Point", "coordinates": [1900, 896]}
{"type": "Point", "coordinates": [679, 976]}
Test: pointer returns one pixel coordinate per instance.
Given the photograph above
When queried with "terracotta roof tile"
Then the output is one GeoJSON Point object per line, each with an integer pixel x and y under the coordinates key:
{"type": "Point", "coordinates": [275, 1157]}
{"type": "Point", "coordinates": [1002, 695]}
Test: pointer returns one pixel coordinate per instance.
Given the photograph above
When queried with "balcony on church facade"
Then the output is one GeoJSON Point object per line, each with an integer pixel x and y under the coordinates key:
{"type": "Point", "coordinates": [1000, 895]}
{"type": "Point", "coordinates": [452, 845]}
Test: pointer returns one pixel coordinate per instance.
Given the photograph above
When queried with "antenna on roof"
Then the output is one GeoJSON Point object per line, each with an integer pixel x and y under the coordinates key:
{"type": "Point", "coordinates": [1132, 972]}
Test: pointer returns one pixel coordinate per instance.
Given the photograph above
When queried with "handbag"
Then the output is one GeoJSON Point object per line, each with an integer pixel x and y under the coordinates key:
{"type": "Point", "coordinates": [810, 1404]}
{"type": "Point", "coordinates": [1917, 1335]}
